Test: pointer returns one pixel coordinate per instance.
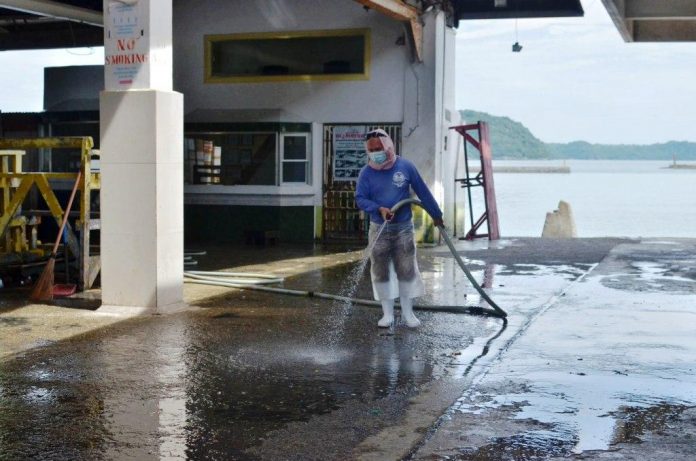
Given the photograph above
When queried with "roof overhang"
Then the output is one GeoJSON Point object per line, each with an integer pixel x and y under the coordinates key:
{"type": "Point", "coordinates": [654, 21]}
{"type": "Point", "coordinates": [40, 24]}
{"type": "Point", "coordinates": [36, 24]}
{"type": "Point", "coordinates": [506, 9]}
{"type": "Point", "coordinates": [405, 13]}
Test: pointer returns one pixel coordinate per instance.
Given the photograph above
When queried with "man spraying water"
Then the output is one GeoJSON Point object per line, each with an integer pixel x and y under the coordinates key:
{"type": "Point", "coordinates": [383, 182]}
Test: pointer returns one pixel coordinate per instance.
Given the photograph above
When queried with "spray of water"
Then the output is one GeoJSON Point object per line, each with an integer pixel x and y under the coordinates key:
{"type": "Point", "coordinates": [351, 284]}
{"type": "Point", "coordinates": [348, 289]}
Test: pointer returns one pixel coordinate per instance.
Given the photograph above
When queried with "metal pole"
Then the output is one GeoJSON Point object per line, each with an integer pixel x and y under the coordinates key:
{"type": "Point", "coordinates": [468, 182]}
{"type": "Point", "coordinates": [456, 173]}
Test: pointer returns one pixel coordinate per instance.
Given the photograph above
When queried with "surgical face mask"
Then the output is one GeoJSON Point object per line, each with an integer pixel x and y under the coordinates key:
{"type": "Point", "coordinates": [378, 157]}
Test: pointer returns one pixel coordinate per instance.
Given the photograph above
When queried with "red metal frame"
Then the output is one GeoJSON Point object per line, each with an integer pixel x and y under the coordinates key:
{"type": "Point", "coordinates": [481, 142]}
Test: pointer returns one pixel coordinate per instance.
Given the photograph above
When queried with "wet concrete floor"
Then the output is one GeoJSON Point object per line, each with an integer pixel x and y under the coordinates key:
{"type": "Point", "coordinates": [252, 375]}
{"type": "Point", "coordinates": [606, 372]}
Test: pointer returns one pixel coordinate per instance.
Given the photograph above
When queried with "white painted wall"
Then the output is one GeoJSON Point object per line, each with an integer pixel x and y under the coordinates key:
{"type": "Point", "coordinates": [417, 94]}
{"type": "Point", "coordinates": [429, 98]}
{"type": "Point", "coordinates": [378, 99]}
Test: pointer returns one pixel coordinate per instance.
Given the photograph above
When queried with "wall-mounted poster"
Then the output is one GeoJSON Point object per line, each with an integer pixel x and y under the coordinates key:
{"type": "Point", "coordinates": [126, 46]}
{"type": "Point", "coordinates": [349, 152]}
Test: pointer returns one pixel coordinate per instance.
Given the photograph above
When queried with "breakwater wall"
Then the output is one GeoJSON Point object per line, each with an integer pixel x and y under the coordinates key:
{"type": "Point", "coordinates": [525, 169]}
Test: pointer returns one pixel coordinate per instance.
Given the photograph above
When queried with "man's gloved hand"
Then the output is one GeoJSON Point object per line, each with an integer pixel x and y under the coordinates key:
{"type": "Point", "coordinates": [439, 222]}
{"type": "Point", "coordinates": [386, 213]}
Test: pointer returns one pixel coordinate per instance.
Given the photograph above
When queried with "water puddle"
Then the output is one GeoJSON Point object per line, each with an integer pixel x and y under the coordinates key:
{"type": "Point", "coordinates": [588, 411]}
{"type": "Point", "coordinates": [636, 422]}
{"type": "Point", "coordinates": [531, 446]}
{"type": "Point", "coordinates": [539, 440]}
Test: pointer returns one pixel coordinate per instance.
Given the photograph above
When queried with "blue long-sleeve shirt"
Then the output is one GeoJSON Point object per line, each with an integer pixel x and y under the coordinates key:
{"type": "Point", "coordinates": [384, 188]}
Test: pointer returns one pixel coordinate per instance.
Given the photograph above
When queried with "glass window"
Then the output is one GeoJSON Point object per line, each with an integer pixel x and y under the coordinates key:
{"type": "Point", "coordinates": [295, 158]}
{"type": "Point", "coordinates": [332, 54]}
{"type": "Point", "coordinates": [231, 158]}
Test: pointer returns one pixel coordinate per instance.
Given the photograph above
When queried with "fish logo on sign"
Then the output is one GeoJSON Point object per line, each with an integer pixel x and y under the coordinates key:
{"type": "Point", "coordinates": [399, 179]}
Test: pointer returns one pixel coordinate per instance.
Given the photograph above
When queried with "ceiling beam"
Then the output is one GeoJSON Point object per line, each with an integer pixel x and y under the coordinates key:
{"type": "Point", "coordinates": [48, 38]}
{"type": "Point", "coordinates": [401, 12]}
{"type": "Point", "coordinates": [654, 20]}
{"type": "Point", "coordinates": [26, 20]}
{"type": "Point", "coordinates": [55, 10]}
{"type": "Point", "coordinates": [664, 31]}
{"type": "Point", "coordinates": [660, 9]}
{"type": "Point", "coordinates": [392, 8]}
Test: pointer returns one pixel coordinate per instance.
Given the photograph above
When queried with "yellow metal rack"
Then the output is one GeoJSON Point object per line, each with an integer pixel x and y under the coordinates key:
{"type": "Point", "coordinates": [15, 186]}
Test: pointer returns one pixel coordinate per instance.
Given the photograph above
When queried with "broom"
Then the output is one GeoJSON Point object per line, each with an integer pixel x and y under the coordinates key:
{"type": "Point", "coordinates": [43, 289]}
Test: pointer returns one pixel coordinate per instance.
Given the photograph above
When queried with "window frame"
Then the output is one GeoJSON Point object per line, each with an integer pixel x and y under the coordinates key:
{"type": "Point", "coordinates": [307, 160]}
{"type": "Point", "coordinates": [209, 40]}
{"type": "Point", "coordinates": [198, 133]}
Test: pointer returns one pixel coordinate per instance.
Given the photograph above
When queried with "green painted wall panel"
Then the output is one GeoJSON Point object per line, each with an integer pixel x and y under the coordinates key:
{"type": "Point", "coordinates": [227, 224]}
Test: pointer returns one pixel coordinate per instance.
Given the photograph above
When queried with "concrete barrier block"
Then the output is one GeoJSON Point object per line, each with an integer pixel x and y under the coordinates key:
{"type": "Point", "coordinates": [560, 223]}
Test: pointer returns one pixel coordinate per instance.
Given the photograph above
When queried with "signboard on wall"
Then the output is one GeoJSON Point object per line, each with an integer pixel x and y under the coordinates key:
{"type": "Point", "coordinates": [126, 46]}
{"type": "Point", "coordinates": [349, 154]}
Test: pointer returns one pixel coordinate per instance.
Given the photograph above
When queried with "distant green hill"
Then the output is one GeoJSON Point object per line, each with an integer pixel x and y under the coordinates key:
{"type": "Point", "coordinates": [665, 151]}
{"type": "Point", "coordinates": [512, 140]}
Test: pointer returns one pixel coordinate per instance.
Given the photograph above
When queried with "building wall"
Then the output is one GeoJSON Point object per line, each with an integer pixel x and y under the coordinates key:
{"type": "Point", "coordinates": [378, 99]}
{"type": "Point", "coordinates": [429, 111]}
{"type": "Point", "coordinates": [244, 224]}
{"type": "Point", "coordinates": [399, 90]}
{"type": "Point", "coordinates": [73, 88]}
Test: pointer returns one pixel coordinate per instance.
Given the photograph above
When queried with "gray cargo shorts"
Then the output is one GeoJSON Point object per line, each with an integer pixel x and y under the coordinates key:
{"type": "Point", "coordinates": [396, 244]}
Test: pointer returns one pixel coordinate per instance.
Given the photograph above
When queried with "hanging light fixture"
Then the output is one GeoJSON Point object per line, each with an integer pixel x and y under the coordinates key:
{"type": "Point", "coordinates": [516, 47]}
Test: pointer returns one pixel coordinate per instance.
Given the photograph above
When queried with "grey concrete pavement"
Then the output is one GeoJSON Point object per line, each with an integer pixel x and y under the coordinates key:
{"type": "Point", "coordinates": [579, 369]}
{"type": "Point", "coordinates": [606, 372]}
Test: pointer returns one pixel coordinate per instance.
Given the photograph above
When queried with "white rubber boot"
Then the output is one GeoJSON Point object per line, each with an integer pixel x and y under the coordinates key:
{"type": "Point", "coordinates": [387, 319]}
{"type": "Point", "coordinates": [407, 314]}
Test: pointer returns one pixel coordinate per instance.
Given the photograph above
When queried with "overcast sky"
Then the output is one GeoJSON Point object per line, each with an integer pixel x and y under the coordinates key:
{"type": "Point", "coordinates": [575, 79]}
{"type": "Point", "coordinates": [21, 74]}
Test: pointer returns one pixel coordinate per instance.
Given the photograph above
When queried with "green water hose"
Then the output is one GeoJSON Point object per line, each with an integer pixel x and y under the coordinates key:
{"type": "Point", "coordinates": [498, 311]}
{"type": "Point", "coordinates": [258, 282]}
{"type": "Point", "coordinates": [254, 282]}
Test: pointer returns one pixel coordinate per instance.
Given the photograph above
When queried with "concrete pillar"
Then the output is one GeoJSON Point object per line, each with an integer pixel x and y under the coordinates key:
{"type": "Point", "coordinates": [141, 160]}
{"type": "Point", "coordinates": [450, 117]}
{"type": "Point", "coordinates": [429, 98]}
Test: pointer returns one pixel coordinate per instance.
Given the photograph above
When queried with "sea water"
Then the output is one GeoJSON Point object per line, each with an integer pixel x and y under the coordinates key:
{"type": "Point", "coordinates": [609, 198]}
